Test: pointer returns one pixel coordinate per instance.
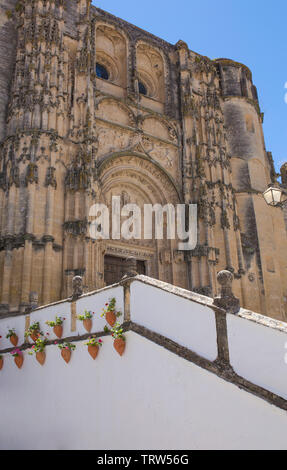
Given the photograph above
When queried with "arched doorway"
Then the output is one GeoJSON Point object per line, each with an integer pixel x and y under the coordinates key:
{"type": "Point", "coordinates": [135, 179]}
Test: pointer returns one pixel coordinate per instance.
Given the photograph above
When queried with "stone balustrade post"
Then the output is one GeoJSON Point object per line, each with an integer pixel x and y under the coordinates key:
{"type": "Point", "coordinates": [226, 300]}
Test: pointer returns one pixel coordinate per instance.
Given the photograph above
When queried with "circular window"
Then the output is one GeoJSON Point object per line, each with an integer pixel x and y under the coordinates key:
{"type": "Point", "coordinates": [142, 89]}
{"type": "Point", "coordinates": [102, 72]}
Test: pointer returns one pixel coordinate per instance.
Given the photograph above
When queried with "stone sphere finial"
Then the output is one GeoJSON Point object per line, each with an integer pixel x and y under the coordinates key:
{"type": "Point", "coordinates": [77, 285]}
{"type": "Point", "coordinates": [33, 300]}
{"type": "Point", "coordinates": [226, 300]}
{"type": "Point", "coordinates": [225, 278]}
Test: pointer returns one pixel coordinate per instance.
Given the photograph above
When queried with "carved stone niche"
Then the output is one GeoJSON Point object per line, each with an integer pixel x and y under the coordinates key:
{"type": "Point", "coordinates": [51, 177]}
{"type": "Point", "coordinates": [31, 174]}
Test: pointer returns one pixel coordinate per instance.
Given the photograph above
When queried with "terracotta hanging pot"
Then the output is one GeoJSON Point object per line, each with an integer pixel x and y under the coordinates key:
{"type": "Point", "coordinates": [58, 330]}
{"type": "Point", "coordinates": [88, 324]}
{"type": "Point", "coordinates": [120, 345]}
{"type": "Point", "coordinates": [19, 361]}
{"type": "Point", "coordinates": [34, 336]}
{"type": "Point", "coordinates": [93, 351]}
{"type": "Point", "coordinates": [14, 340]}
{"type": "Point", "coordinates": [111, 318]}
{"type": "Point", "coordinates": [1, 363]}
{"type": "Point", "coordinates": [41, 357]}
{"type": "Point", "coordinates": [66, 355]}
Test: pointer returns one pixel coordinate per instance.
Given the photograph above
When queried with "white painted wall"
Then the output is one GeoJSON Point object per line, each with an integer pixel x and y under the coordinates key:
{"type": "Point", "coordinates": [150, 398]}
{"type": "Point", "coordinates": [257, 353]}
{"type": "Point", "coordinates": [187, 323]}
{"type": "Point", "coordinates": [7, 324]}
{"type": "Point", "coordinates": [93, 303]}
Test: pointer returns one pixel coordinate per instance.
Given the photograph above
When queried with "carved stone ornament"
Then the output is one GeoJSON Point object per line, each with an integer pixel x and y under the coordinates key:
{"type": "Point", "coordinates": [77, 287]}
{"type": "Point", "coordinates": [33, 300]}
{"type": "Point", "coordinates": [226, 300]}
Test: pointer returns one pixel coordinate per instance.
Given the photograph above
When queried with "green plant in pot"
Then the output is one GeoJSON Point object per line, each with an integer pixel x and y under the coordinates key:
{"type": "Point", "coordinates": [66, 351]}
{"type": "Point", "coordinates": [12, 336]}
{"type": "Point", "coordinates": [110, 313]}
{"type": "Point", "coordinates": [57, 326]}
{"type": "Point", "coordinates": [119, 339]}
{"type": "Point", "coordinates": [87, 320]}
{"type": "Point", "coordinates": [18, 357]}
{"type": "Point", "coordinates": [34, 331]}
{"type": "Point", "coordinates": [94, 346]}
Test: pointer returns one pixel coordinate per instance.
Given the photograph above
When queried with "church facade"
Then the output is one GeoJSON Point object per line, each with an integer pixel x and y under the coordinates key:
{"type": "Point", "coordinates": [93, 107]}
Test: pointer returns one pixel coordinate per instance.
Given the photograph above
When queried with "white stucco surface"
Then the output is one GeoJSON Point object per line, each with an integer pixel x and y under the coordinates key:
{"type": "Point", "coordinates": [94, 303]}
{"type": "Point", "coordinates": [189, 324]}
{"type": "Point", "coordinates": [6, 324]}
{"type": "Point", "coordinates": [148, 399]}
{"type": "Point", "coordinates": [257, 353]}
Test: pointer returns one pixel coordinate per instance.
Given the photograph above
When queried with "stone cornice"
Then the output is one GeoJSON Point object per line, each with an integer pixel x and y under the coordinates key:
{"type": "Point", "coordinates": [232, 63]}
{"type": "Point", "coordinates": [13, 242]}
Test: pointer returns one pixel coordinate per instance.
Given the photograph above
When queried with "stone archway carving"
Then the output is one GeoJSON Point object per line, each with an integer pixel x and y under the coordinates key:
{"type": "Point", "coordinates": [142, 182]}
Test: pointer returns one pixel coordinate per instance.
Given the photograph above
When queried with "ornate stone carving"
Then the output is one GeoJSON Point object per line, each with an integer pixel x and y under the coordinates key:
{"type": "Point", "coordinates": [32, 174]}
{"type": "Point", "coordinates": [77, 285]}
{"type": "Point", "coordinates": [33, 300]}
{"type": "Point", "coordinates": [76, 227]}
{"type": "Point", "coordinates": [226, 300]}
{"type": "Point", "coordinates": [51, 177]}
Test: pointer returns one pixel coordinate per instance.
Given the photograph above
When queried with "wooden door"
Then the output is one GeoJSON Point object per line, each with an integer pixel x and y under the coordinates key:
{"type": "Point", "coordinates": [115, 268]}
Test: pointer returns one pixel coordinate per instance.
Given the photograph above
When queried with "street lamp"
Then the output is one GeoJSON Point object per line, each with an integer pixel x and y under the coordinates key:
{"type": "Point", "coordinates": [274, 195]}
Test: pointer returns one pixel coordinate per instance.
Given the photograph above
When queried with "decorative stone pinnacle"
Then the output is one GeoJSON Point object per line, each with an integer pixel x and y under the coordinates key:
{"type": "Point", "coordinates": [283, 172]}
{"type": "Point", "coordinates": [226, 299]}
{"type": "Point", "coordinates": [77, 284]}
{"type": "Point", "coordinates": [181, 45]}
{"type": "Point", "coordinates": [33, 300]}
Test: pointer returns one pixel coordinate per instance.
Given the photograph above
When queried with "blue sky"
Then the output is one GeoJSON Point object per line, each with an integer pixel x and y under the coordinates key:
{"type": "Point", "coordinates": [249, 31]}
